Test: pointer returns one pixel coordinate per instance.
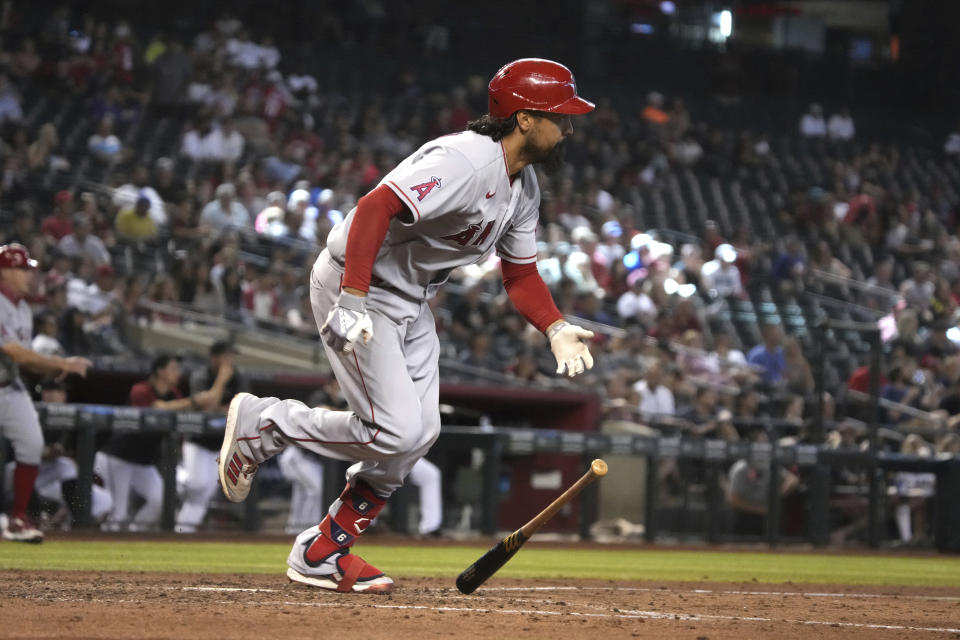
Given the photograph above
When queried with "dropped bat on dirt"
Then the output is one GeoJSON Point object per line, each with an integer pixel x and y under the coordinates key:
{"type": "Point", "coordinates": [490, 562]}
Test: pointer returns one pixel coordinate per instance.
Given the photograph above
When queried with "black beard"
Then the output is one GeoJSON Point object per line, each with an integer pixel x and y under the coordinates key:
{"type": "Point", "coordinates": [553, 160]}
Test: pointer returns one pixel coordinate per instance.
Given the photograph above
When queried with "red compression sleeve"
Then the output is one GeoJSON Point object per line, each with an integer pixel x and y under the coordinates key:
{"type": "Point", "coordinates": [529, 294]}
{"type": "Point", "coordinates": [370, 222]}
{"type": "Point", "coordinates": [24, 477]}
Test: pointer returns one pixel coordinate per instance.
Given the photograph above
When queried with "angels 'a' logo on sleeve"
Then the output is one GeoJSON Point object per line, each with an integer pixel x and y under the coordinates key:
{"type": "Point", "coordinates": [424, 189]}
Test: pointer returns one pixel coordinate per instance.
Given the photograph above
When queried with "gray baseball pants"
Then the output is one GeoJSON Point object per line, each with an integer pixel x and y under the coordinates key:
{"type": "Point", "coordinates": [390, 384]}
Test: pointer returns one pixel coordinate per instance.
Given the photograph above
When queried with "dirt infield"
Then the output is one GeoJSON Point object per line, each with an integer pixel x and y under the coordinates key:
{"type": "Point", "coordinates": [155, 605]}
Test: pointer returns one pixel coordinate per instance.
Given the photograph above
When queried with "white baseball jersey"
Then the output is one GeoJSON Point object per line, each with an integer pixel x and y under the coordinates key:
{"type": "Point", "coordinates": [462, 206]}
{"type": "Point", "coordinates": [16, 325]}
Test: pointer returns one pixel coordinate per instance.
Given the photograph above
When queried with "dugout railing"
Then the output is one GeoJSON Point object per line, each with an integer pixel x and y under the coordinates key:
{"type": "Point", "coordinates": [504, 446]}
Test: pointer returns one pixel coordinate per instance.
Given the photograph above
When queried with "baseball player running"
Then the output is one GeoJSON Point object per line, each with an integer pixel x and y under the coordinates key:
{"type": "Point", "coordinates": [18, 418]}
{"type": "Point", "coordinates": [451, 203]}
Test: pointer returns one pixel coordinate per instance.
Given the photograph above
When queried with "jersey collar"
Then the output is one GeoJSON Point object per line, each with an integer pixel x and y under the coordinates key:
{"type": "Point", "coordinates": [506, 167]}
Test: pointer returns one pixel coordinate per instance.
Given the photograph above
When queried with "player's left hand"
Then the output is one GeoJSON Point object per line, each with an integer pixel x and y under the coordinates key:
{"type": "Point", "coordinates": [347, 322]}
{"type": "Point", "coordinates": [573, 356]}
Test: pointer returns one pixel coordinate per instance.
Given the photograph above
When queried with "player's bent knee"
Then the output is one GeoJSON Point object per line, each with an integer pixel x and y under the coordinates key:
{"type": "Point", "coordinates": [28, 448]}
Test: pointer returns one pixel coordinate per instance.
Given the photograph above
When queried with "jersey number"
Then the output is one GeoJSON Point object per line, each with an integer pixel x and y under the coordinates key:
{"type": "Point", "coordinates": [464, 237]}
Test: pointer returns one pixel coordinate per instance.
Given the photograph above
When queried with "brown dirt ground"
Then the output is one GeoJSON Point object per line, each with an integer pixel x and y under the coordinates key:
{"type": "Point", "coordinates": [156, 605]}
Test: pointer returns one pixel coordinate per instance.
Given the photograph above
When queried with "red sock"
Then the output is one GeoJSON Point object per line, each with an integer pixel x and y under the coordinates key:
{"type": "Point", "coordinates": [24, 477]}
{"type": "Point", "coordinates": [347, 518]}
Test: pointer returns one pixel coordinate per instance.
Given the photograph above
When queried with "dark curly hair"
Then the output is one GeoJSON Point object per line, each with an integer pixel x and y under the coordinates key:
{"type": "Point", "coordinates": [495, 128]}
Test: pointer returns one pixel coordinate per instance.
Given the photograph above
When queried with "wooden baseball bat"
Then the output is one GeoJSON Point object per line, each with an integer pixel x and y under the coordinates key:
{"type": "Point", "coordinates": [490, 562]}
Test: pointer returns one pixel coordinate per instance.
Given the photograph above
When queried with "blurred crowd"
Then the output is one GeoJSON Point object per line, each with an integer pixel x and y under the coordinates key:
{"type": "Point", "coordinates": [151, 174]}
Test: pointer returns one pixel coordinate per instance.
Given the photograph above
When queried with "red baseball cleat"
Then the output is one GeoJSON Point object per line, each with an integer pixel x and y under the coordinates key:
{"type": "Point", "coordinates": [353, 575]}
{"type": "Point", "coordinates": [20, 529]}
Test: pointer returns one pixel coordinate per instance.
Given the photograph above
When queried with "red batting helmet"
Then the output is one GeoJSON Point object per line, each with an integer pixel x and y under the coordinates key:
{"type": "Point", "coordinates": [16, 256]}
{"type": "Point", "coordinates": [536, 84]}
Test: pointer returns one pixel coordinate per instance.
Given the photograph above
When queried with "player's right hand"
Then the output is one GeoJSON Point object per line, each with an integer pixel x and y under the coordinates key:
{"type": "Point", "coordinates": [567, 343]}
{"type": "Point", "coordinates": [347, 322]}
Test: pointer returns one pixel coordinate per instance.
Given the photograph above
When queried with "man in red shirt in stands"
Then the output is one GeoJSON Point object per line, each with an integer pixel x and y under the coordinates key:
{"type": "Point", "coordinates": [60, 224]}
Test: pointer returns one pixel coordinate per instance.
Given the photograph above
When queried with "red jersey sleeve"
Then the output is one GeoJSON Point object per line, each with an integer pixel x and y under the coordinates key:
{"type": "Point", "coordinates": [367, 232]}
{"type": "Point", "coordinates": [529, 294]}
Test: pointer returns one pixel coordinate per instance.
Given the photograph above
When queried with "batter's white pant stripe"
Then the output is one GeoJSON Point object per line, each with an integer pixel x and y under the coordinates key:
{"type": "Point", "coordinates": [373, 416]}
{"type": "Point", "coordinates": [262, 429]}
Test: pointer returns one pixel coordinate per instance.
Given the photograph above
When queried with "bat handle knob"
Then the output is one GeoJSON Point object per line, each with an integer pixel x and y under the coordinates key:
{"type": "Point", "coordinates": [599, 467]}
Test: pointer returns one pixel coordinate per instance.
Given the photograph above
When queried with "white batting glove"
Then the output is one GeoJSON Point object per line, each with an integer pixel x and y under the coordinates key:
{"type": "Point", "coordinates": [347, 322]}
{"type": "Point", "coordinates": [573, 356]}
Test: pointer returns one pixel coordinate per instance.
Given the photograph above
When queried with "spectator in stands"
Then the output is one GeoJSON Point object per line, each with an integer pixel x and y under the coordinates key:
{"type": "Point", "coordinates": [197, 143]}
{"type": "Point", "coordinates": [101, 303]}
{"type": "Point", "coordinates": [295, 213]}
{"type": "Point", "coordinates": [25, 60]}
{"type": "Point", "coordinates": [10, 109]}
{"type": "Point", "coordinates": [656, 118]}
{"type": "Point", "coordinates": [690, 266]}
{"type": "Point", "coordinates": [798, 376]}
{"type": "Point", "coordinates": [938, 345]}
{"type": "Point", "coordinates": [789, 267]}
{"type": "Point", "coordinates": [104, 145]}
{"type": "Point", "coordinates": [712, 238]}
{"type": "Point", "coordinates": [749, 488]}
{"type": "Point", "coordinates": [691, 358]}
{"type": "Point", "coordinates": [720, 276]}
{"type": "Point", "coordinates": [748, 403]}
{"type": "Point", "coordinates": [224, 212]}
{"type": "Point", "coordinates": [170, 188]}
{"type": "Point", "coordinates": [135, 223]}
{"type": "Point", "coordinates": [60, 224]}
{"type": "Point", "coordinates": [214, 385]}
{"type": "Point", "coordinates": [102, 225]}
{"type": "Point", "coordinates": [882, 277]}
{"type": "Point", "coordinates": [479, 354]}
{"type": "Point", "coordinates": [82, 243]}
{"type": "Point", "coordinates": [41, 154]}
{"type": "Point", "coordinates": [769, 355]}
{"type": "Point", "coordinates": [164, 291]}
{"type": "Point", "coordinates": [824, 260]}
{"type": "Point", "coordinates": [918, 291]}
{"type": "Point", "coordinates": [903, 388]}
{"type": "Point", "coordinates": [951, 146]}
{"type": "Point", "coordinates": [261, 298]}
{"type": "Point", "coordinates": [724, 354]}
{"type": "Point", "coordinates": [701, 417]}
{"type": "Point", "coordinates": [840, 127]}
{"type": "Point", "coordinates": [169, 77]}
{"type": "Point", "coordinates": [635, 306]}
{"type": "Point", "coordinates": [126, 195]}
{"type": "Point", "coordinates": [904, 238]}
{"type": "Point", "coordinates": [46, 342]}
{"type": "Point", "coordinates": [683, 317]}
{"type": "Point", "coordinates": [948, 445]}
{"type": "Point", "coordinates": [656, 399]}
{"type": "Point", "coordinates": [270, 221]}
{"type": "Point", "coordinates": [230, 293]}
{"type": "Point", "coordinates": [228, 143]}
{"type": "Point", "coordinates": [812, 124]}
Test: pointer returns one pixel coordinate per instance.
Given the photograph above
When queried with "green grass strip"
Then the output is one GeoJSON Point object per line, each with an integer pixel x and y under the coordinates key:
{"type": "Point", "coordinates": [413, 561]}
